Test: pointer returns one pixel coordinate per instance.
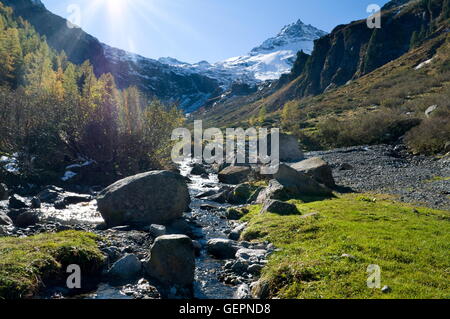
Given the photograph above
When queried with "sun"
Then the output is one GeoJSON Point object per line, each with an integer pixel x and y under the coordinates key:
{"type": "Point", "coordinates": [115, 8]}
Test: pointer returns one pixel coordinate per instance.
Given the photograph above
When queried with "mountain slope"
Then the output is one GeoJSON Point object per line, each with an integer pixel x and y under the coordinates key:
{"type": "Point", "coordinates": [348, 53]}
{"type": "Point", "coordinates": [152, 77]}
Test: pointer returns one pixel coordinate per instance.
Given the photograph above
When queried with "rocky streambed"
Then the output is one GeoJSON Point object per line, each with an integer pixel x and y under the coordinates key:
{"type": "Point", "coordinates": [224, 267]}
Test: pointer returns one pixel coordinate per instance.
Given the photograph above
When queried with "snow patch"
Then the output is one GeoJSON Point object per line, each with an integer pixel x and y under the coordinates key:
{"type": "Point", "coordinates": [68, 175]}
{"type": "Point", "coordinates": [10, 163]}
{"type": "Point", "coordinates": [421, 65]}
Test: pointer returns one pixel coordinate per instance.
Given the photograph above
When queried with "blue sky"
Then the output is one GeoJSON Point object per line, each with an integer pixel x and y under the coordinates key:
{"type": "Point", "coordinates": [195, 30]}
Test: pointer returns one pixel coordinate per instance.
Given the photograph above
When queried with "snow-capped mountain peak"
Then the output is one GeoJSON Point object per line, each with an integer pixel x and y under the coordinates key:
{"type": "Point", "coordinates": [291, 37]}
{"type": "Point", "coordinates": [269, 61]}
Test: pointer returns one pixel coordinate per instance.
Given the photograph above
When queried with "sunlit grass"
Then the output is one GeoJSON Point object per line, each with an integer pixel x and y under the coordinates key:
{"type": "Point", "coordinates": [25, 263]}
{"type": "Point", "coordinates": [410, 244]}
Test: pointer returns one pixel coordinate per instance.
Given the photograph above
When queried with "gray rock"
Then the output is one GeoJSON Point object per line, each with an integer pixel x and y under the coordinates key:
{"type": "Point", "coordinates": [275, 190]}
{"type": "Point", "coordinates": [206, 194]}
{"type": "Point", "coordinates": [299, 183]}
{"type": "Point", "coordinates": [345, 167]}
{"type": "Point", "coordinates": [36, 203]}
{"type": "Point", "coordinates": [60, 204]}
{"type": "Point", "coordinates": [251, 254]}
{"type": "Point", "coordinates": [241, 194]}
{"type": "Point", "coordinates": [222, 248]}
{"type": "Point", "coordinates": [220, 197]}
{"type": "Point", "coordinates": [254, 196]}
{"type": "Point", "coordinates": [386, 289]}
{"type": "Point", "coordinates": [28, 218]}
{"type": "Point", "coordinates": [289, 148]}
{"type": "Point", "coordinates": [127, 267]}
{"type": "Point", "coordinates": [3, 231]}
{"type": "Point", "coordinates": [198, 169]}
{"type": "Point", "coordinates": [4, 192]}
{"type": "Point", "coordinates": [261, 289]}
{"type": "Point", "coordinates": [255, 269]}
{"type": "Point", "coordinates": [233, 214]}
{"type": "Point", "coordinates": [16, 202]}
{"type": "Point", "coordinates": [172, 261]}
{"type": "Point", "coordinates": [240, 266]}
{"type": "Point", "coordinates": [235, 175]}
{"type": "Point", "coordinates": [236, 232]}
{"type": "Point", "coordinates": [280, 208]}
{"type": "Point", "coordinates": [157, 230]}
{"type": "Point", "coordinates": [112, 252]}
{"type": "Point", "coordinates": [318, 169]}
{"type": "Point", "coordinates": [50, 194]}
{"type": "Point", "coordinates": [243, 292]}
{"type": "Point", "coordinates": [5, 220]}
{"type": "Point", "coordinates": [156, 197]}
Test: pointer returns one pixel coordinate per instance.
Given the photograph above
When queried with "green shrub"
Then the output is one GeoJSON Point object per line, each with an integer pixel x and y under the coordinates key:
{"type": "Point", "coordinates": [431, 136]}
{"type": "Point", "coordinates": [380, 126]}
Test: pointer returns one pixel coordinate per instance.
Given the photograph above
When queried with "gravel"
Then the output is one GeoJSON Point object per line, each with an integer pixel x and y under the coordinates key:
{"type": "Point", "coordinates": [389, 169]}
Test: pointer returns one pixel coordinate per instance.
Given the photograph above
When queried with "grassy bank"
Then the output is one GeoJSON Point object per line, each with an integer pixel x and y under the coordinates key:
{"type": "Point", "coordinates": [326, 254]}
{"type": "Point", "coordinates": [26, 263]}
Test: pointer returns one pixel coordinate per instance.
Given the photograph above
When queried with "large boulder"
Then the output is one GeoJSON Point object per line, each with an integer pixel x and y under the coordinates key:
{"type": "Point", "coordinates": [289, 148]}
{"type": "Point", "coordinates": [299, 183]}
{"type": "Point", "coordinates": [172, 261]}
{"type": "Point", "coordinates": [4, 192]}
{"type": "Point", "coordinates": [318, 169]}
{"type": "Point", "coordinates": [27, 219]}
{"type": "Point", "coordinates": [280, 208]}
{"type": "Point", "coordinates": [156, 197]}
{"type": "Point", "coordinates": [235, 175]}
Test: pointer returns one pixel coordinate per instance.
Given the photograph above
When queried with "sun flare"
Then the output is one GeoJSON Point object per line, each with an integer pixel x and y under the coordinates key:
{"type": "Point", "coordinates": [114, 7]}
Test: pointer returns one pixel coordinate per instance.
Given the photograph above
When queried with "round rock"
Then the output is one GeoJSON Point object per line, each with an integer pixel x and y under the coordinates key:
{"type": "Point", "coordinates": [156, 197]}
{"type": "Point", "coordinates": [172, 261]}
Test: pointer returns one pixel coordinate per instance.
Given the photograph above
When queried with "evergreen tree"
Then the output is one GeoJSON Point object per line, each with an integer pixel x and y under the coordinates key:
{"type": "Point", "coordinates": [291, 116]}
{"type": "Point", "coordinates": [70, 81]}
{"type": "Point", "coordinates": [262, 115]}
{"type": "Point", "coordinates": [38, 72]}
{"type": "Point", "coordinates": [11, 56]}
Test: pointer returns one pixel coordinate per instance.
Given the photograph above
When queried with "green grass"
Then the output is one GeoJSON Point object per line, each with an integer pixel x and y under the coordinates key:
{"type": "Point", "coordinates": [26, 263]}
{"type": "Point", "coordinates": [410, 244]}
{"type": "Point", "coordinates": [437, 179]}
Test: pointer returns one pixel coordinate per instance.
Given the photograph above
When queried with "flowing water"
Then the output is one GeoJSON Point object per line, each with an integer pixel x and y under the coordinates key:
{"type": "Point", "coordinates": [210, 225]}
{"type": "Point", "coordinates": [213, 225]}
